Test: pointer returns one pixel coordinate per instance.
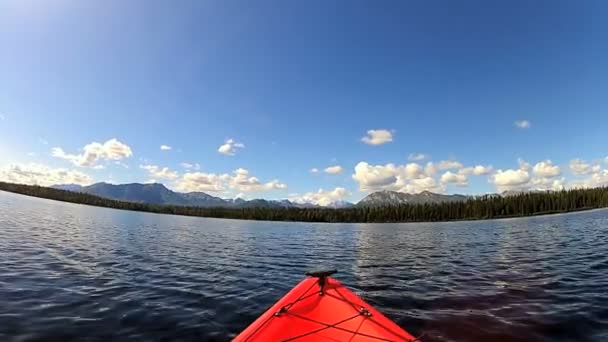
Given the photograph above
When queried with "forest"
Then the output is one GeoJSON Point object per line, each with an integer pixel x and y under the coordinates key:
{"type": "Point", "coordinates": [478, 208]}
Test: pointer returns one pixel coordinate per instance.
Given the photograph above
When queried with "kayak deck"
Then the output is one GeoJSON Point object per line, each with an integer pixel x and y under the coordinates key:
{"type": "Point", "coordinates": [322, 309]}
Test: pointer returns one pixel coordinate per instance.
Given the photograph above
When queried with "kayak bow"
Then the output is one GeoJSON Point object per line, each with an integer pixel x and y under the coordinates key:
{"type": "Point", "coordinates": [320, 308]}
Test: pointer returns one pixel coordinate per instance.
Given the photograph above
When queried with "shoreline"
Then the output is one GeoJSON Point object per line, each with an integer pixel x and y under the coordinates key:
{"type": "Point", "coordinates": [158, 209]}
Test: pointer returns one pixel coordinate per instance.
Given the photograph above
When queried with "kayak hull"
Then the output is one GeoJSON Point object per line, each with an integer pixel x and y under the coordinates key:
{"type": "Point", "coordinates": [322, 310]}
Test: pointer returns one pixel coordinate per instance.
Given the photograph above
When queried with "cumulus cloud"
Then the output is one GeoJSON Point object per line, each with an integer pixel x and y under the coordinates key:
{"type": "Point", "coordinates": [545, 175]}
{"type": "Point", "coordinates": [581, 167]}
{"type": "Point", "coordinates": [478, 170]}
{"type": "Point", "coordinates": [165, 147]}
{"type": "Point", "coordinates": [510, 179]}
{"type": "Point", "coordinates": [377, 137]}
{"type": "Point", "coordinates": [420, 184]}
{"type": "Point", "coordinates": [373, 178]}
{"type": "Point", "coordinates": [430, 169]}
{"type": "Point", "coordinates": [417, 157]}
{"type": "Point", "coordinates": [546, 169]}
{"type": "Point", "coordinates": [229, 147]}
{"type": "Point", "coordinates": [335, 169]}
{"type": "Point", "coordinates": [160, 173]}
{"type": "Point", "coordinates": [544, 183]}
{"type": "Point", "coordinates": [314, 170]}
{"type": "Point", "coordinates": [240, 180]}
{"type": "Point", "coordinates": [321, 197]}
{"type": "Point", "coordinates": [454, 178]}
{"type": "Point", "coordinates": [524, 165]}
{"type": "Point", "coordinates": [200, 181]}
{"type": "Point", "coordinates": [243, 182]}
{"type": "Point", "coordinates": [449, 164]}
{"type": "Point", "coordinates": [405, 178]}
{"type": "Point", "coordinates": [597, 179]}
{"type": "Point", "coordinates": [93, 152]}
{"type": "Point", "coordinates": [414, 177]}
{"type": "Point", "coordinates": [38, 174]}
{"type": "Point", "coordinates": [413, 170]}
{"type": "Point", "coordinates": [523, 124]}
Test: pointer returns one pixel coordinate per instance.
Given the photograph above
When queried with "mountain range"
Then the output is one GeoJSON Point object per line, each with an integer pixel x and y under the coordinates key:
{"type": "Point", "coordinates": [156, 193]}
{"type": "Point", "coordinates": [391, 198]}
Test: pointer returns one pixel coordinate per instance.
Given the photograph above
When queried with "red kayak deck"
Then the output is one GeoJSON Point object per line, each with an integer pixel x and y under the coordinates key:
{"type": "Point", "coordinates": [338, 314]}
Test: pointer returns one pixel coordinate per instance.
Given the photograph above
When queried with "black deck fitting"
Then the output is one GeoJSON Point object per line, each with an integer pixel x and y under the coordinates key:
{"type": "Point", "coordinates": [321, 273]}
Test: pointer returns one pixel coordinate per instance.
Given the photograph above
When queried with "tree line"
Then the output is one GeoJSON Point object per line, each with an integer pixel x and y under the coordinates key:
{"type": "Point", "coordinates": [483, 207]}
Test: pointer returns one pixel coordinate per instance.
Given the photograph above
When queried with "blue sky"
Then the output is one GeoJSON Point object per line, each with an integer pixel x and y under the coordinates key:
{"type": "Point", "coordinates": [298, 85]}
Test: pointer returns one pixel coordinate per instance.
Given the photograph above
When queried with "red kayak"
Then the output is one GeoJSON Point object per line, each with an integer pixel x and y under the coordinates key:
{"type": "Point", "coordinates": [320, 308]}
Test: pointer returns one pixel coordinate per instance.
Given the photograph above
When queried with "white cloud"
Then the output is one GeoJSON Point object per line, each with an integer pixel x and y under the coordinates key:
{"type": "Point", "coordinates": [165, 147]}
{"type": "Point", "coordinates": [546, 169]}
{"type": "Point", "coordinates": [430, 169]}
{"type": "Point", "coordinates": [38, 174]}
{"type": "Point", "coordinates": [524, 165]}
{"type": "Point", "coordinates": [321, 197]}
{"type": "Point", "coordinates": [405, 178]}
{"type": "Point", "coordinates": [335, 169]}
{"type": "Point", "coordinates": [510, 179]}
{"type": "Point", "coordinates": [420, 184]}
{"type": "Point", "coordinates": [229, 147]}
{"type": "Point", "coordinates": [413, 170]}
{"type": "Point", "coordinates": [544, 183]}
{"type": "Point", "coordinates": [596, 179]}
{"type": "Point", "coordinates": [449, 164]}
{"type": "Point", "coordinates": [523, 124]}
{"type": "Point", "coordinates": [581, 167]}
{"type": "Point", "coordinates": [43, 141]}
{"type": "Point", "coordinates": [110, 150]}
{"type": "Point", "coordinates": [245, 183]}
{"type": "Point", "coordinates": [240, 180]}
{"type": "Point", "coordinates": [454, 178]}
{"type": "Point", "coordinates": [544, 175]}
{"type": "Point", "coordinates": [377, 137]}
{"type": "Point", "coordinates": [31, 154]}
{"type": "Point", "coordinates": [187, 166]}
{"type": "Point", "coordinates": [373, 178]}
{"type": "Point", "coordinates": [314, 170]}
{"type": "Point", "coordinates": [160, 173]}
{"type": "Point", "coordinates": [478, 170]}
{"type": "Point", "coordinates": [200, 181]}
{"type": "Point", "coordinates": [417, 157]}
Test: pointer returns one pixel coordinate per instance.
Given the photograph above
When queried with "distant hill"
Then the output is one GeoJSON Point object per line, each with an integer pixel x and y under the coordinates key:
{"type": "Point", "coordinates": [68, 187]}
{"type": "Point", "coordinates": [392, 198]}
{"type": "Point", "coordinates": [340, 205]}
{"type": "Point", "coordinates": [156, 193]}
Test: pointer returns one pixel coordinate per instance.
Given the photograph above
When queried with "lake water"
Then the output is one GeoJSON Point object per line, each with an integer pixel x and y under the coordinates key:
{"type": "Point", "coordinates": [74, 272]}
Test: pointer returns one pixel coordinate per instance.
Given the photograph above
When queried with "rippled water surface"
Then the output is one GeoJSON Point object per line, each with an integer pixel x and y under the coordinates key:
{"type": "Point", "coordinates": [73, 272]}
